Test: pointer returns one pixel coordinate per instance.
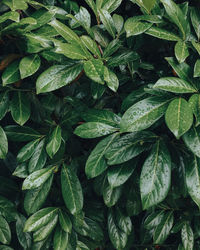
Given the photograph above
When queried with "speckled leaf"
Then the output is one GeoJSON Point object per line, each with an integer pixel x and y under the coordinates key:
{"type": "Point", "coordinates": [107, 22]}
{"type": "Point", "coordinates": [193, 179]}
{"type": "Point", "coordinates": [111, 5]}
{"type": "Point", "coordinates": [181, 51]}
{"type": "Point", "coordinates": [96, 162]}
{"type": "Point", "coordinates": [24, 238]}
{"type": "Point", "coordinates": [179, 117]}
{"type": "Point", "coordinates": [111, 79]}
{"type": "Point", "coordinates": [91, 45]}
{"type": "Point", "coordinates": [155, 177]}
{"type": "Point", "coordinates": [29, 65]}
{"type": "Point", "coordinates": [94, 129]}
{"type": "Point", "coordinates": [118, 22]}
{"type": "Point", "coordinates": [194, 103]}
{"type": "Point", "coordinates": [5, 233]}
{"type": "Point", "coordinates": [187, 237]}
{"type": "Point", "coordinates": [3, 144]}
{"type": "Point", "coordinates": [94, 69]}
{"type": "Point", "coordinates": [162, 34]}
{"type": "Point", "coordinates": [175, 85]}
{"type": "Point", "coordinates": [40, 219]}
{"type": "Point", "coordinates": [143, 114]}
{"type": "Point", "coordinates": [192, 140]}
{"type": "Point", "coordinates": [162, 230]}
{"type": "Point", "coordinates": [111, 195]}
{"type": "Point", "coordinates": [134, 27]}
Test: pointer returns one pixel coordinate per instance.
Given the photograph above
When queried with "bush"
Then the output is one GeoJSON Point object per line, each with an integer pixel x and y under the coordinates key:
{"type": "Point", "coordinates": [100, 124]}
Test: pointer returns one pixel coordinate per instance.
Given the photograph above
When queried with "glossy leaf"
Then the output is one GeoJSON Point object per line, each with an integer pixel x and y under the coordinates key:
{"type": "Point", "coordinates": [60, 241]}
{"type": "Point", "coordinates": [54, 142]}
{"type": "Point", "coordinates": [24, 238]}
{"type": "Point", "coordinates": [134, 27]}
{"type": "Point", "coordinates": [181, 51]}
{"type": "Point", "coordinates": [27, 151]}
{"type": "Point", "coordinates": [192, 140]}
{"type": "Point", "coordinates": [3, 144]}
{"type": "Point", "coordinates": [94, 69]}
{"type": "Point", "coordinates": [29, 65]}
{"type": "Point", "coordinates": [162, 34]}
{"type": "Point", "coordinates": [71, 190]}
{"type": "Point", "coordinates": [111, 79]}
{"type": "Point", "coordinates": [187, 237]}
{"type": "Point", "coordinates": [179, 117]}
{"type": "Point", "coordinates": [197, 69]}
{"type": "Point", "coordinates": [65, 221]}
{"type": "Point", "coordinates": [111, 195]}
{"type": "Point", "coordinates": [155, 179]}
{"type": "Point", "coordinates": [143, 114]}
{"type": "Point", "coordinates": [195, 18]}
{"type": "Point", "coordinates": [194, 103]}
{"type": "Point", "coordinates": [5, 233]}
{"type": "Point", "coordinates": [111, 5]}
{"type": "Point", "coordinates": [108, 22]}
{"type": "Point", "coordinates": [11, 73]}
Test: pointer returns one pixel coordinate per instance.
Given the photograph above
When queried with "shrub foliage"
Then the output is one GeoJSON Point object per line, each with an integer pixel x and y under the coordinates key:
{"type": "Point", "coordinates": [100, 124]}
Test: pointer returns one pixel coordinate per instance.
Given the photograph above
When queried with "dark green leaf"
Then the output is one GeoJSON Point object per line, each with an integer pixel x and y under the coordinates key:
{"type": "Point", "coordinates": [192, 140]}
{"type": "Point", "coordinates": [24, 238]}
{"type": "Point", "coordinates": [11, 73]}
{"type": "Point", "coordinates": [54, 142]}
{"type": "Point", "coordinates": [194, 103]}
{"type": "Point", "coordinates": [27, 151]}
{"type": "Point", "coordinates": [5, 233]}
{"type": "Point", "coordinates": [187, 237]}
{"type": "Point", "coordinates": [4, 104]}
{"type": "Point", "coordinates": [65, 221]}
{"type": "Point", "coordinates": [29, 65]}
{"type": "Point", "coordinates": [181, 51]}
{"type": "Point", "coordinates": [3, 144]}
{"type": "Point", "coordinates": [60, 241]}
{"type": "Point", "coordinates": [134, 27]}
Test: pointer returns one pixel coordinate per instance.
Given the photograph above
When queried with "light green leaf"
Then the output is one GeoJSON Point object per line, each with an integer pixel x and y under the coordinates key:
{"type": "Point", "coordinates": [187, 237]}
{"type": "Point", "coordinates": [5, 233]}
{"type": "Point", "coordinates": [60, 240]}
{"type": "Point", "coordinates": [94, 129]}
{"type": "Point", "coordinates": [108, 22]}
{"type": "Point", "coordinates": [179, 117]}
{"type": "Point", "coordinates": [27, 151]}
{"type": "Point", "coordinates": [153, 219]}
{"type": "Point", "coordinates": [111, 195]}
{"type": "Point", "coordinates": [174, 85]}
{"type": "Point", "coordinates": [91, 45]}
{"type": "Point", "coordinates": [194, 103]}
{"type": "Point", "coordinates": [192, 140]}
{"type": "Point", "coordinates": [65, 221]}
{"type": "Point", "coordinates": [54, 142]}
{"type": "Point", "coordinates": [147, 5]}
{"type": "Point", "coordinates": [20, 108]}
{"type": "Point", "coordinates": [128, 146]}
{"type": "Point", "coordinates": [35, 198]}
{"type": "Point", "coordinates": [181, 51]}
{"type": "Point", "coordinates": [111, 79]}
{"type": "Point", "coordinates": [134, 27]}
{"type": "Point", "coordinates": [197, 68]}
{"type": "Point", "coordinates": [111, 5]}
{"type": "Point", "coordinates": [57, 76]}
{"type": "Point", "coordinates": [143, 114]}
{"type": "Point", "coordinates": [12, 15]}
{"type": "Point", "coordinates": [196, 45]}
{"type": "Point", "coordinates": [176, 15]}
{"type": "Point", "coordinates": [71, 190]}
{"type": "Point", "coordinates": [162, 34]}
{"type": "Point", "coordinates": [96, 163]}
{"type": "Point", "coordinates": [37, 178]}
{"type": "Point", "coordinates": [193, 179]}
{"type": "Point", "coordinates": [29, 65]}
{"type": "Point", "coordinates": [162, 230]}
{"type": "Point", "coordinates": [11, 73]}
{"type": "Point", "coordinates": [21, 170]}
{"type": "Point", "coordinates": [94, 69]}
{"type": "Point", "coordinates": [3, 144]}
{"type": "Point", "coordinates": [40, 219]}
{"type": "Point", "coordinates": [155, 179]}
{"type": "Point", "coordinates": [118, 22]}
{"type": "Point", "coordinates": [16, 4]}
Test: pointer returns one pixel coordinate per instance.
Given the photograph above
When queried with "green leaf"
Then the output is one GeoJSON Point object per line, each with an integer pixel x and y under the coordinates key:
{"type": "Point", "coordinates": [197, 68]}
{"type": "Point", "coordinates": [118, 22]}
{"type": "Point", "coordinates": [94, 129]}
{"type": "Point", "coordinates": [71, 190]}
{"type": "Point", "coordinates": [94, 69]}
{"type": "Point", "coordinates": [7, 209]}
{"type": "Point", "coordinates": [108, 22]}
{"type": "Point", "coordinates": [195, 18]}
{"type": "Point", "coordinates": [11, 74]}
{"type": "Point", "coordinates": [92, 5]}
{"type": "Point", "coordinates": [174, 85]}
{"type": "Point", "coordinates": [17, 133]}
{"type": "Point", "coordinates": [27, 151]}
{"type": "Point", "coordinates": [29, 65]}
{"type": "Point", "coordinates": [12, 15]}
{"type": "Point", "coordinates": [82, 18]}
{"type": "Point", "coordinates": [134, 27]}
{"type": "Point", "coordinates": [111, 79]}
{"type": "Point", "coordinates": [196, 45]}
{"type": "Point", "coordinates": [97, 90]}
{"type": "Point", "coordinates": [3, 144]}
{"type": "Point", "coordinates": [176, 16]}
{"type": "Point", "coordinates": [65, 221]}
{"type": "Point", "coordinates": [192, 140]}
{"type": "Point", "coordinates": [38, 158]}
{"type": "Point", "coordinates": [20, 108]}
{"type": "Point", "coordinates": [181, 51]}
{"type": "Point", "coordinates": [91, 45]}
{"type": "Point", "coordinates": [16, 4]}
{"type": "Point", "coordinates": [143, 114]}
{"type": "Point", "coordinates": [57, 76]}
{"type": "Point", "coordinates": [162, 34]}
{"type": "Point", "coordinates": [40, 219]}
{"type": "Point", "coordinates": [4, 104]}
{"type": "Point", "coordinates": [153, 219]}
{"type": "Point", "coordinates": [124, 222]}
{"type": "Point", "coordinates": [21, 170]}
{"type": "Point", "coordinates": [37, 178]}
{"type": "Point", "coordinates": [127, 147]}
{"type": "Point", "coordinates": [111, 5]}
{"type": "Point", "coordinates": [147, 5]}
{"type": "Point", "coordinates": [155, 179]}
{"type": "Point", "coordinates": [187, 237]}
{"type": "Point", "coordinates": [35, 198]}
{"type": "Point", "coordinates": [101, 115]}
{"type": "Point", "coordinates": [194, 103]}
{"type": "Point", "coordinates": [54, 142]}
{"type": "Point", "coordinates": [193, 179]}
{"type": "Point", "coordinates": [117, 236]}
{"type": "Point", "coordinates": [96, 163]}
{"type": "Point", "coordinates": [5, 233]}
{"type": "Point", "coordinates": [162, 230]}
{"type": "Point", "coordinates": [118, 175]}
{"type": "Point", "coordinates": [24, 238]}
{"type": "Point", "coordinates": [122, 57]}
{"type": "Point", "coordinates": [179, 117]}
{"type": "Point", "coordinates": [60, 240]}
{"type": "Point", "coordinates": [46, 230]}
{"type": "Point", "coordinates": [111, 195]}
